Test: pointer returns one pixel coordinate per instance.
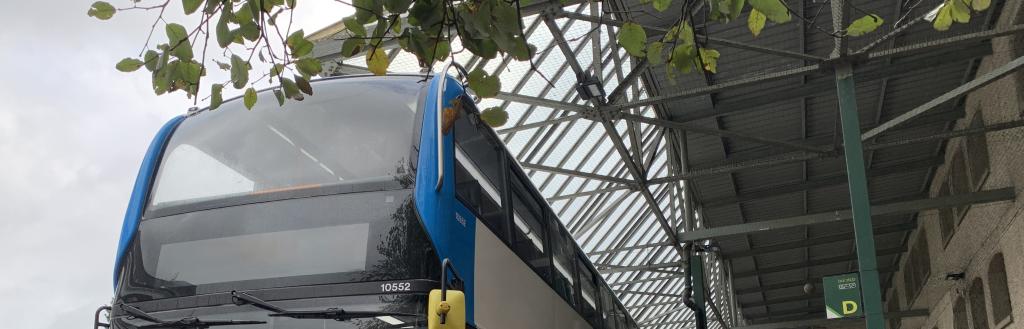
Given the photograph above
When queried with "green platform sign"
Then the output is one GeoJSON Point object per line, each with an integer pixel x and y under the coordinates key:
{"type": "Point", "coordinates": [842, 296]}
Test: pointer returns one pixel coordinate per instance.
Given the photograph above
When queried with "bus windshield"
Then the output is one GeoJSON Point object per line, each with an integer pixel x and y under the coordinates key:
{"type": "Point", "coordinates": [330, 239]}
{"type": "Point", "coordinates": [352, 130]}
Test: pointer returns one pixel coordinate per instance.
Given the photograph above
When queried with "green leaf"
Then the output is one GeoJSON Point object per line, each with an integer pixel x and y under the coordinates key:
{"type": "Point", "coordinates": [377, 61]}
{"type": "Point", "coordinates": [654, 53]}
{"type": "Point", "coordinates": [755, 22]}
{"type": "Point", "coordinates": [686, 33]}
{"type": "Point", "coordinates": [254, 8]}
{"type": "Point", "coordinates": [980, 5]}
{"type": "Point", "coordinates": [368, 10]}
{"type": "Point", "coordinates": [485, 48]}
{"type": "Point", "coordinates": [683, 57]}
{"type": "Point", "coordinates": [216, 96]}
{"type": "Point", "coordinates": [175, 33]}
{"type": "Point", "coordinates": [351, 47]}
{"type": "Point", "coordinates": [249, 98]}
{"type": "Point", "coordinates": [280, 97]}
{"type": "Point", "coordinates": [961, 13]}
{"type": "Point", "coordinates": [291, 4]}
{"type": "Point", "coordinates": [222, 65]}
{"type": "Point", "coordinates": [944, 18]}
{"type": "Point", "coordinates": [483, 84]}
{"type": "Point", "coordinates": [291, 90]}
{"type": "Point", "coordinates": [224, 35]}
{"type": "Point", "coordinates": [397, 6]}
{"type": "Point", "coordinates": [709, 57]}
{"type": "Point", "coordinates": [632, 38]}
{"type": "Point", "coordinates": [662, 5]}
{"type": "Point", "coordinates": [239, 72]}
{"type": "Point", "coordinates": [128, 65]}
{"type": "Point", "coordinates": [276, 70]}
{"type": "Point", "coordinates": [190, 72]}
{"type": "Point", "coordinates": [191, 5]}
{"type": "Point", "coordinates": [151, 59]}
{"type": "Point", "coordinates": [427, 14]}
{"type": "Point", "coordinates": [355, 27]}
{"type": "Point", "coordinates": [250, 31]}
{"type": "Point", "coordinates": [864, 25]}
{"type": "Point", "coordinates": [102, 10]}
{"type": "Point", "coordinates": [304, 85]}
{"type": "Point", "coordinates": [494, 116]}
{"type": "Point", "coordinates": [242, 15]}
{"type": "Point", "coordinates": [299, 45]}
{"type": "Point", "coordinates": [773, 9]}
{"type": "Point", "coordinates": [506, 18]}
{"type": "Point", "coordinates": [735, 8]}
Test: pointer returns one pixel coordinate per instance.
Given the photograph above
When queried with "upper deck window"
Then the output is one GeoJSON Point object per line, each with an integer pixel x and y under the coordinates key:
{"type": "Point", "coordinates": [352, 130]}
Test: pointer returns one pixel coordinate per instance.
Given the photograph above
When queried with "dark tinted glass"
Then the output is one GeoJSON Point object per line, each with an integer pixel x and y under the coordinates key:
{"type": "Point", "coordinates": [562, 248]}
{"type": "Point", "coordinates": [353, 237]}
{"type": "Point", "coordinates": [529, 234]}
{"type": "Point", "coordinates": [478, 172]}
{"type": "Point", "coordinates": [352, 130]}
{"type": "Point", "coordinates": [590, 303]}
{"type": "Point", "coordinates": [608, 303]}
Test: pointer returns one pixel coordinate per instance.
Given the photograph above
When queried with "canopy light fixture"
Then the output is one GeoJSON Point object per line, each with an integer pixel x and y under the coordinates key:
{"type": "Point", "coordinates": [590, 87]}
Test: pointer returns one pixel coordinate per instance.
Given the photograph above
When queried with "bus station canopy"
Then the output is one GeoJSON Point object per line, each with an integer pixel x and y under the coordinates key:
{"type": "Point", "coordinates": [747, 162]}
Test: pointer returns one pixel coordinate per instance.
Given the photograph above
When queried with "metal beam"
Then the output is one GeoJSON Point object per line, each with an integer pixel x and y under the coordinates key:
{"type": "Point", "coordinates": [627, 81]}
{"type": "Point", "coordinates": [687, 322]}
{"type": "Point", "coordinates": [823, 181]}
{"type": "Point", "coordinates": [828, 323]}
{"type": "Point", "coordinates": [655, 304]}
{"type": "Point", "coordinates": [981, 81]}
{"type": "Point", "coordinates": [794, 284]}
{"type": "Point", "coordinates": [538, 124]}
{"type": "Point", "coordinates": [711, 39]}
{"type": "Point", "coordinates": [717, 88]}
{"type": "Point", "coordinates": [763, 99]}
{"type": "Point", "coordinates": [588, 193]}
{"type": "Point", "coordinates": [827, 239]}
{"type": "Point", "coordinates": [666, 277]}
{"type": "Point", "coordinates": [814, 262]}
{"type": "Point", "coordinates": [872, 56]}
{"type": "Point", "coordinates": [813, 313]}
{"type": "Point", "coordinates": [576, 173]}
{"type": "Point", "coordinates": [544, 102]}
{"type": "Point", "coordinates": [906, 207]}
{"type": "Point", "coordinates": [781, 300]}
{"type": "Point", "coordinates": [785, 158]}
{"type": "Point", "coordinates": [618, 269]}
{"type": "Point", "coordinates": [722, 133]}
{"type": "Point", "coordinates": [642, 246]}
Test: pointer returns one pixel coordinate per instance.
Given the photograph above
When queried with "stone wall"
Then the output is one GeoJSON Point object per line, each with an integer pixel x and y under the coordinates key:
{"type": "Point", "coordinates": [985, 230]}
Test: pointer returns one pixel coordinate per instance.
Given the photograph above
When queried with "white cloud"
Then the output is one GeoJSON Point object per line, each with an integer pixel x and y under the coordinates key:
{"type": "Point", "coordinates": [72, 134]}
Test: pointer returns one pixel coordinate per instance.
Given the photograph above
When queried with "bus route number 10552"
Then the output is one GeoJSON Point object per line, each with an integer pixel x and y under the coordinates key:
{"type": "Point", "coordinates": [395, 286]}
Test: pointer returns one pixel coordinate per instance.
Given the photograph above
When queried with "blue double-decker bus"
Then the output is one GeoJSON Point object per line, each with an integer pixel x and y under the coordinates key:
{"type": "Point", "coordinates": [379, 202]}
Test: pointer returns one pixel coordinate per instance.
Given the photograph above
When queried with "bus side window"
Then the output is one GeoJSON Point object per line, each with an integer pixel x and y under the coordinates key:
{"type": "Point", "coordinates": [621, 322]}
{"type": "Point", "coordinates": [529, 239]}
{"type": "Point", "coordinates": [478, 173]}
{"type": "Point", "coordinates": [608, 314]}
{"type": "Point", "coordinates": [562, 249]}
{"type": "Point", "coordinates": [590, 299]}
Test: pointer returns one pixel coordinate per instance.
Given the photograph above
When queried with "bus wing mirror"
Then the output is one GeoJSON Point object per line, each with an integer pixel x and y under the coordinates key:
{"type": "Point", "coordinates": [449, 313]}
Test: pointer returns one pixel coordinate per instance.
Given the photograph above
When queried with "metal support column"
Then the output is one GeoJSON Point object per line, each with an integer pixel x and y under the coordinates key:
{"type": "Point", "coordinates": [697, 282]}
{"type": "Point", "coordinates": [859, 202]}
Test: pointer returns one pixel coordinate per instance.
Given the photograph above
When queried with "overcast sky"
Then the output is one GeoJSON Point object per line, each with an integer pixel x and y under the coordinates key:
{"type": "Point", "coordinates": [72, 135]}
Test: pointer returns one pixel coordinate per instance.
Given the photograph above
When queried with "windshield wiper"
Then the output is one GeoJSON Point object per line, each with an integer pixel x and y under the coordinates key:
{"type": "Point", "coordinates": [337, 314]}
{"type": "Point", "coordinates": [183, 323]}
